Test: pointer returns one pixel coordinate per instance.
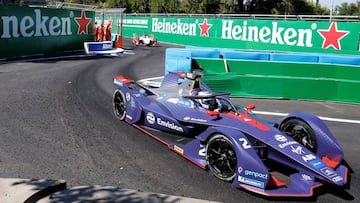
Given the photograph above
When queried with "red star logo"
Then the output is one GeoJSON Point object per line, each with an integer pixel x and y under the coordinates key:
{"type": "Point", "coordinates": [332, 36]}
{"type": "Point", "coordinates": [205, 28]}
{"type": "Point", "coordinates": [83, 23]}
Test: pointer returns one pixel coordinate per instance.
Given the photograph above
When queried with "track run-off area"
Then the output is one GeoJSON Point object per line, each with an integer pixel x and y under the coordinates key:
{"type": "Point", "coordinates": [57, 123]}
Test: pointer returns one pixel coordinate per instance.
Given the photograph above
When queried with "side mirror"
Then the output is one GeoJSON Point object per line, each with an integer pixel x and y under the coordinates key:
{"type": "Point", "coordinates": [213, 113]}
{"type": "Point", "coordinates": [249, 107]}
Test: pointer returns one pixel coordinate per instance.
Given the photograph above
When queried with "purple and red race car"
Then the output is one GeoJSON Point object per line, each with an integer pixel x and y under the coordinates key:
{"type": "Point", "coordinates": [286, 158]}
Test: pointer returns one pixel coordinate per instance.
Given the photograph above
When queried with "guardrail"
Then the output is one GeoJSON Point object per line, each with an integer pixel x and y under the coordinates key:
{"type": "Point", "coordinates": [256, 16]}
{"type": "Point", "coordinates": [67, 5]}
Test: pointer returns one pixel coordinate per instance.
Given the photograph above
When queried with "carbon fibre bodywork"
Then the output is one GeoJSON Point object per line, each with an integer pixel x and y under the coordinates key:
{"type": "Point", "coordinates": [269, 159]}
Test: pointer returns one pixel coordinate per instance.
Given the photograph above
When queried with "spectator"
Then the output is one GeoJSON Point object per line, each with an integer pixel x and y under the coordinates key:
{"type": "Point", "coordinates": [108, 31]}
{"type": "Point", "coordinates": [96, 32]}
{"type": "Point", "coordinates": [101, 33]}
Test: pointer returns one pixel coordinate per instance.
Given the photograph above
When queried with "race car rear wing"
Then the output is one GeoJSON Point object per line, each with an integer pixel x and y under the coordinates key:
{"type": "Point", "coordinates": [122, 80]}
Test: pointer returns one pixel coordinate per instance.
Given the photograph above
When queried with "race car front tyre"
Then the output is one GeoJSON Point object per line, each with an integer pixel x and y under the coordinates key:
{"type": "Point", "coordinates": [301, 132]}
{"type": "Point", "coordinates": [119, 105]}
{"type": "Point", "coordinates": [221, 157]}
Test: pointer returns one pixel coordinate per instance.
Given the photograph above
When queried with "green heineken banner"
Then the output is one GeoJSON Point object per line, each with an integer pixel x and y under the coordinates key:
{"type": "Point", "coordinates": [29, 31]}
{"type": "Point", "coordinates": [273, 35]}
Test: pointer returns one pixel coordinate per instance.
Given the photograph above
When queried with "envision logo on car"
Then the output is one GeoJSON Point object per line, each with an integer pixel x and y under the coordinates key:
{"type": "Point", "coordinates": [127, 96]}
{"type": "Point", "coordinates": [283, 145]}
{"type": "Point", "coordinates": [170, 125]}
{"type": "Point", "coordinates": [150, 118]}
{"type": "Point", "coordinates": [280, 138]}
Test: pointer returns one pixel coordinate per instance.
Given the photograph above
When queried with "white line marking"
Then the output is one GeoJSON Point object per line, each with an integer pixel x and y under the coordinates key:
{"type": "Point", "coordinates": [270, 113]}
{"type": "Point", "coordinates": [321, 117]}
{"type": "Point", "coordinates": [129, 52]}
{"type": "Point", "coordinates": [149, 79]}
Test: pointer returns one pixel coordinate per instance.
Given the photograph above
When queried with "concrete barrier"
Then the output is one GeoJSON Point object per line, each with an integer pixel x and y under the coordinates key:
{"type": "Point", "coordinates": [325, 77]}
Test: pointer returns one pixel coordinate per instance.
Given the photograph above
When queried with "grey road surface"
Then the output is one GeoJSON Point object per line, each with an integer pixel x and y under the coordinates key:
{"type": "Point", "coordinates": [56, 122]}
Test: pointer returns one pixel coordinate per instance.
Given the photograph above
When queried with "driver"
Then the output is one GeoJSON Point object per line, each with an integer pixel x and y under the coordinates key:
{"type": "Point", "coordinates": [210, 104]}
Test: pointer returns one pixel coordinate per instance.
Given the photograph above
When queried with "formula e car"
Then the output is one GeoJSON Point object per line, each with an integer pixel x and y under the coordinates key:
{"type": "Point", "coordinates": [147, 40]}
{"type": "Point", "coordinates": [285, 158]}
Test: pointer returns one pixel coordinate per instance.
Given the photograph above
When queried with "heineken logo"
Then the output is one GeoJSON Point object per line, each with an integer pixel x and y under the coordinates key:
{"type": "Point", "coordinates": [181, 28]}
{"type": "Point", "coordinates": [39, 25]}
{"type": "Point", "coordinates": [332, 36]}
{"type": "Point", "coordinates": [269, 32]}
{"type": "Point", "coordinates": [273, 34]}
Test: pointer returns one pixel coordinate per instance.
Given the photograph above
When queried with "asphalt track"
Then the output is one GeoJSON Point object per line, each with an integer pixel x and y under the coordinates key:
{"type": "Point", "coordinates": [56, 122]}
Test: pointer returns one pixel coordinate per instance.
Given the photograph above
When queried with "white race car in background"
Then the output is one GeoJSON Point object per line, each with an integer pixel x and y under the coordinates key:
{"type": "Point", "coordinates": [147, 40]}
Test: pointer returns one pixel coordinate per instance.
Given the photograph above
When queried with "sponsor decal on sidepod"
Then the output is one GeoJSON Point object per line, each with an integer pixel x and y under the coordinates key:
{"type": "Point", "coordinates": [150, 117]}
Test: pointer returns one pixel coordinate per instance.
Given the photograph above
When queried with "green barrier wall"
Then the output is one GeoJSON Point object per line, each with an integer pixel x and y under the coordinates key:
{"type": "Point", "coordinates": [289, 80]}
{"type": "Point", "coordinates": [30, 31]}
{"type": "Point", "coordinates": [248, 34]}
{"type": "Point", "coordinates": [283, 80]}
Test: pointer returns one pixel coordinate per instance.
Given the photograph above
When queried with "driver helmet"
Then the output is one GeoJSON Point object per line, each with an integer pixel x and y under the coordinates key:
{"type": "Point", "coordinates": [208, 103]}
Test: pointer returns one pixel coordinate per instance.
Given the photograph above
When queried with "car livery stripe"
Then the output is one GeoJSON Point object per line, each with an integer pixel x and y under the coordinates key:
{"type": "Point", "coordinates": [124, 79]}
{"type": "Point", "coordinates": [187, 158]}
{"type": "Point", "coordinates": [245, 118]}
{"type": "Point", "coordinates": [263, 192]}
{"type": "Point", "coordinates": [150, 134]}
{"type": "Point", "coordinates": [181, 74]}
{"type": "Point", "coordinates": [346, 174]}
{"type": "Point", "coordinates": [167, 144]}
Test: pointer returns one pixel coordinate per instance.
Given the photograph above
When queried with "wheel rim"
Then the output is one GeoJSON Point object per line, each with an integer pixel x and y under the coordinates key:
{"type": "Point", "coordinates": [301, 132]}
{"type": "Point", "coordinates": [221, 158]}
{"type": "Point", "coordinates": [119, 105]}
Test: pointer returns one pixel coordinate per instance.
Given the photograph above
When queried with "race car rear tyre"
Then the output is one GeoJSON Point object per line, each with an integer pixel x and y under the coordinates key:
{"type": "Point", "coordinates": [221, 157]}
{"type": "Point", "coordinates": [119, 105]}
{"type": "Point", "coordinates": [301, 132]}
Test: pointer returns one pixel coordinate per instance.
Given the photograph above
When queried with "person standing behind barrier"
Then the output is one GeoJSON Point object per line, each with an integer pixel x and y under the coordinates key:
{"type": "Point", "coordinates": [96, 32]}
{"type": "Point", "coordinates": [108, 31]}
{"type": "Point", "coordinates": [101, 33]}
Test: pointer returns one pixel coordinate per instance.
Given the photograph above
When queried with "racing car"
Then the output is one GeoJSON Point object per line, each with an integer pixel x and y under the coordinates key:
{"type": "Point", "coordinates": [286, 158]}
{"type": "Point", "coordinates": [147, 40]}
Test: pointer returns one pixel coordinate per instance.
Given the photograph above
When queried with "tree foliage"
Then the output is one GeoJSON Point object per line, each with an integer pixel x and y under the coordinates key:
{"type": "Point", "coordinates": [352, 9]}
{"type": "Point", "coordinates": [279, 7]}
{"type": "Point", "coordinates": [191, 6]}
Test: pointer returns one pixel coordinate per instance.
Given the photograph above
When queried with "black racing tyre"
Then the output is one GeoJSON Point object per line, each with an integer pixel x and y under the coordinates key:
{"type": "Point", "coordinates": [119, 105]}
{"type": "Point", "coordinates": [221, 157]}
{"type": "Point", "coordinates": [301, 132]}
